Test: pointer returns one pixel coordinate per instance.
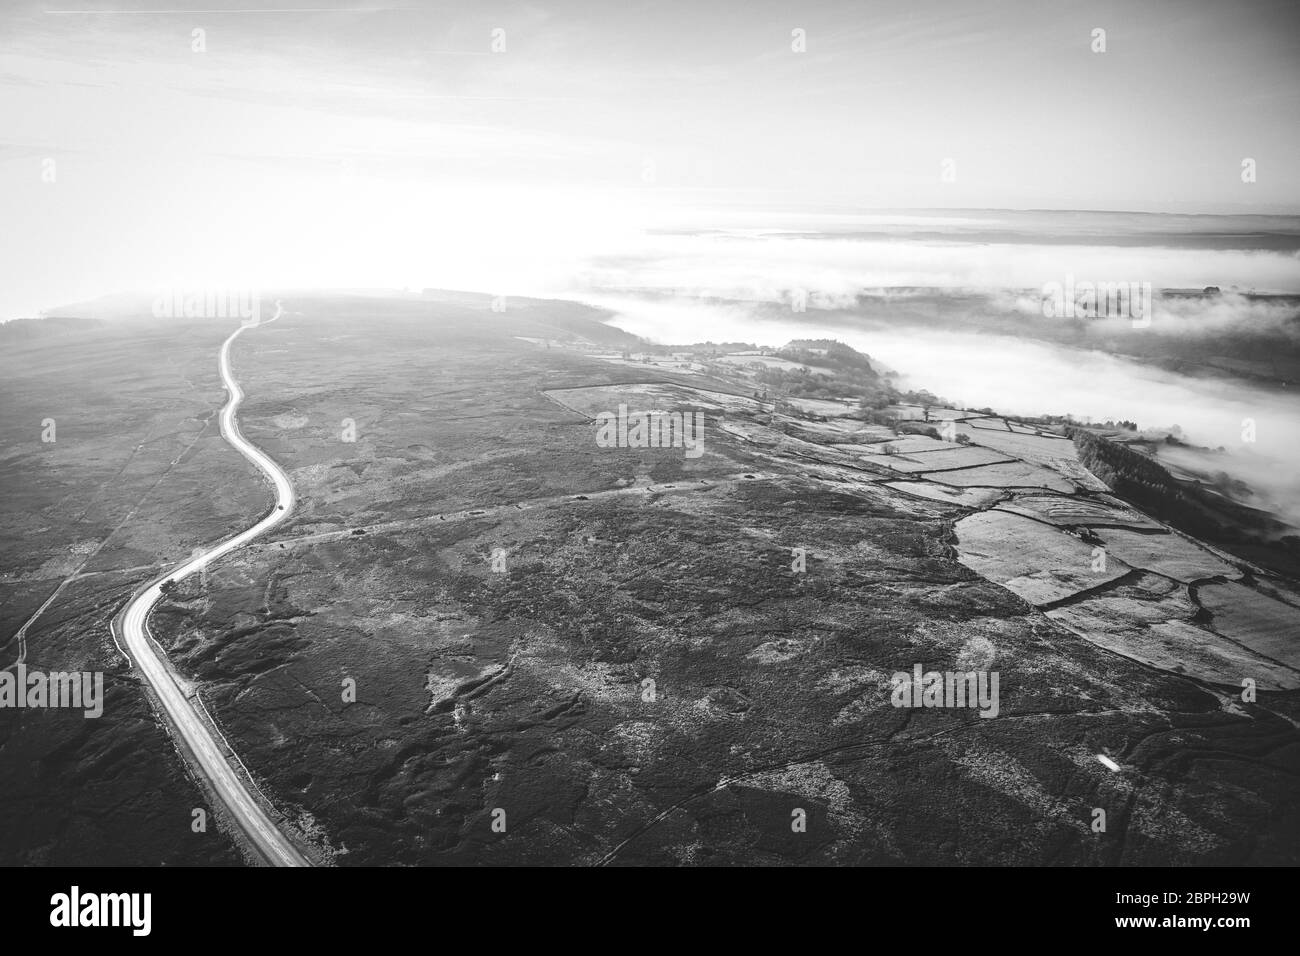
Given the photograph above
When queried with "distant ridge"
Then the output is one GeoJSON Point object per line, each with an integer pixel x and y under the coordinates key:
{"type": "Point", "coordinates": [17, 331]}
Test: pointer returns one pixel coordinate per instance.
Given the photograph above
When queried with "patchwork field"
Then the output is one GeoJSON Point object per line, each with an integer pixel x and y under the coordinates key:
{"type": "Point", "coordinates": [1169, 554]}
{"type": "Point", "coordinates": [1150, 621]}
{"type": "Point", "coordinates": [1042, 568]}
{"type": "Point", "coordinates": [1076, 511]}
{"type": "Point", "coordinates": [1263, 624]}
{"type": "Point", "coordinates": [1013, 474]}
{"type": "Point", "coordinates": [934, 460]}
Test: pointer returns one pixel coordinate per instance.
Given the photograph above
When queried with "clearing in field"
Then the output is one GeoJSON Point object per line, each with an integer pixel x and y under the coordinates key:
{"type": "Point", "coordinates": [1039, 564]}
{"type": "Point", "coordinates": [1149, 620]}
{"type": "Point", "coordinates": [967, 497]}
{"type": "Point", "coordinates": [1266, 625]}
{"type": "Point", "coordinates": [938, 460]}
{"type": "Point", "coordinates": [1030, 447]}
{"type": "Point", "coordinates": [592, 400]}
{"type": "Point", "coordinates": [1012, 474]}
{"type": "Point", "coordinates": [1075, 511]}
{"type": "Point", "coordinates": [1169, 554]}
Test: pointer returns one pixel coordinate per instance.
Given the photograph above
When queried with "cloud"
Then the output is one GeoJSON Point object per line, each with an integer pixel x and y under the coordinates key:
{"type": "Point", "coordinates": [766, 268]}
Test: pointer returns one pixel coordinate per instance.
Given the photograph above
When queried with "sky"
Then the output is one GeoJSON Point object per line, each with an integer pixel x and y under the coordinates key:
{"type": "Point", "coordinates": [496, 146]}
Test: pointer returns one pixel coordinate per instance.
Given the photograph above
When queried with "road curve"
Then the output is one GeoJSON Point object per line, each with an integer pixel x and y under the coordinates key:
{"type": "Point", "coordinates": [185, 715]}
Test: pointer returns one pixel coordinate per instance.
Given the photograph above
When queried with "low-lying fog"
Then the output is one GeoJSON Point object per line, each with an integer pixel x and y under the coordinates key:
{"type": "Point", "coordinates": [720, 290]}
{"type": "Point", "coordinates": [1019, 377]}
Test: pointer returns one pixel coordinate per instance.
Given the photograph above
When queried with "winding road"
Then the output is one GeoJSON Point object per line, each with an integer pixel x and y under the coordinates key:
{"type": "Point", "coordinates": [187, 716]}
